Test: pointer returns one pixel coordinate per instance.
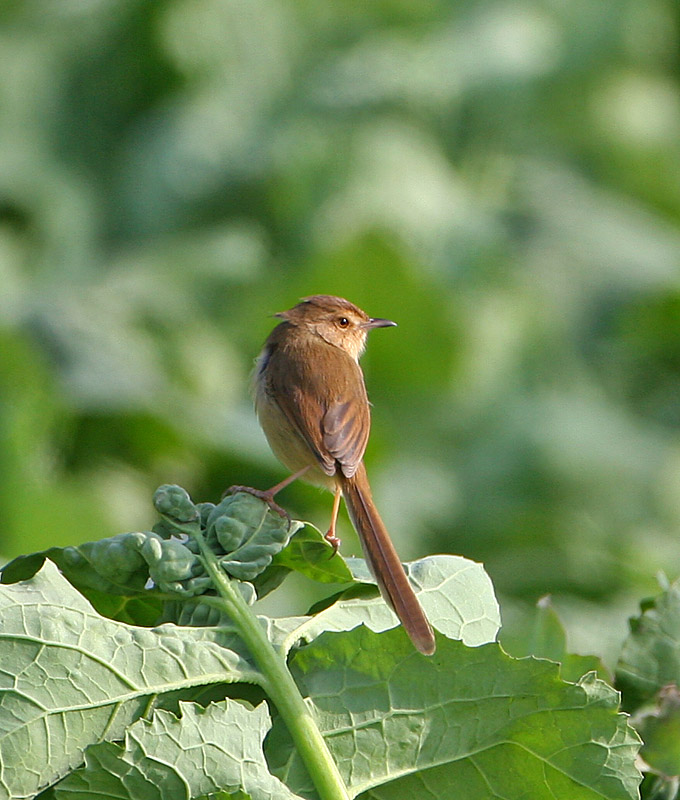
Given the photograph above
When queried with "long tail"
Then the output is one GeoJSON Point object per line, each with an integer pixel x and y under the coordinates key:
{"type": "Point", "coordinates": [384, 562]}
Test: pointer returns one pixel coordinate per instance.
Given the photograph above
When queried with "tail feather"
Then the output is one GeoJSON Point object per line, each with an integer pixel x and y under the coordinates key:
{"type": "Point", "coordinates": [384, 562]}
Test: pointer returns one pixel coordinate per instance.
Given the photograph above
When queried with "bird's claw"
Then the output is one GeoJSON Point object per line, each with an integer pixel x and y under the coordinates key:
{"type": "Point", "coordinates": [267, 497]}
{"type": "Point", "coordinates": [333, 541]}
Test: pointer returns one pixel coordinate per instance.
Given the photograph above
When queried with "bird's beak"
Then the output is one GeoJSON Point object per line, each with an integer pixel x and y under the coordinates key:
{"type": "Point", "coordinates": [377, 322]}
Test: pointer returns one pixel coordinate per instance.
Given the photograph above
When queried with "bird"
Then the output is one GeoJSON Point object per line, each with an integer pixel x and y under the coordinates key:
{"type": "Point", "coordinates": [312, 404]}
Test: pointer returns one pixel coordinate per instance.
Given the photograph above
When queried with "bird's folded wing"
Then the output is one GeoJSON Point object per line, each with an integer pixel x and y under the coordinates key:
{"type": "Point", "coordinates": [333, 417]}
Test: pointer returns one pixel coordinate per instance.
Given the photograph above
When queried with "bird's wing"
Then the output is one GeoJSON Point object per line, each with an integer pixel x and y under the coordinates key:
{"type": "Point", "coordinates": [346, 425]}
{"type": "Point", "coordinates": [328, 408]}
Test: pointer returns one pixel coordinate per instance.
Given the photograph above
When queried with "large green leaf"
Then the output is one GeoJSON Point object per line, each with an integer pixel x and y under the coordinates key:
{"type": "Point", "coordinates": [456, 594]}
{"type": "Point", "coordinates": [468, 722]}
{"type": "Point", "coordinates": [202, 751]}
{"type": "Point", "coordinates": [72, 678]}
{"type": "Point", "coordinates": [650, 658]}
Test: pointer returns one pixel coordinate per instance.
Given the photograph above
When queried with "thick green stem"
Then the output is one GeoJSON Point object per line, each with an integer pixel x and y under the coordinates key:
{"type": "Point", "coordinates": [279, 685]}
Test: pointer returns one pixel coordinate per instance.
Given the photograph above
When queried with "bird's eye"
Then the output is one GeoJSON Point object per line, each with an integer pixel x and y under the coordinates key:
{"type": "Point", "coordinates": [343, 322]}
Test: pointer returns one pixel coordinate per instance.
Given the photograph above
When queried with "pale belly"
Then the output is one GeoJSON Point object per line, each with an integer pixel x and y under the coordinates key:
{"type": "Point", "coordinates": [287, 445]}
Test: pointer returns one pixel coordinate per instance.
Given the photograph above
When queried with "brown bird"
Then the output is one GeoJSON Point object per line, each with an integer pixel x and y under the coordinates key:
{"type": "Point", "coordinates": [312, 404]}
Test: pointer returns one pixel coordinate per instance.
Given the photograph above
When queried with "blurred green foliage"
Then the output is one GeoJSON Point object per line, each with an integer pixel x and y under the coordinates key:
{"type": "Point", "coordinates": [499, 177]}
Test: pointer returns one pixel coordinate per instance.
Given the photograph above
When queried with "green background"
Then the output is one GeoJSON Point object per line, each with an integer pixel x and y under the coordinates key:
{"type": "Point", "coordinates": [501, 178]}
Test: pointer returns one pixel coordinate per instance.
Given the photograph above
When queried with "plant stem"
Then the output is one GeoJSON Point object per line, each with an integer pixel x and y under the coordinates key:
{"type": "Point", "coordinates": [279, 685]}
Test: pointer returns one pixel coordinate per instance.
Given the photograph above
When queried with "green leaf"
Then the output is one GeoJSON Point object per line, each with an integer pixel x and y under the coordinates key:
{"type": "Point", "coordinates": [368, 590]}
{"type": "Point", "coordinates": [73, 678]}
{"type": "Point", "coordinates": [310, 554]}
{"type": "Point", "coordinates": [122, 597]}
{"type": "Point", "coordinates": [268, 580]}
{"type": "Point", "coordinates": [121, 565]}
{"type": "Point", "coordinates": [456, 594]}
{"type": "Point", "coordinates": [458, 597]}
{"type": "Point", "coordinates": [143, 609]}
{"type": "Point", "coordinates": [545, 637]}
{"type": "Point", "coordinates": [650, 658]}
{"type": "Point", "coordinates": [113, 565]}
{"type": "Point", "coordinates": [400, 725]}
{"type": "Point", "coordinates": [202, 751]}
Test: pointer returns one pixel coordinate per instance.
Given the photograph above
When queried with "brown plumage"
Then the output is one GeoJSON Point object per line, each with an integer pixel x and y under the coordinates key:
{"type": "Point", "coordinates": [312, 404]}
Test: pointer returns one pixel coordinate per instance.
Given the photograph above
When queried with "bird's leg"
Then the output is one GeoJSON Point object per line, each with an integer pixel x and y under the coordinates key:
{"type": "Point", "coordinates": [268, 495]}
{"type": "Point", "coordinates": [330, 536]}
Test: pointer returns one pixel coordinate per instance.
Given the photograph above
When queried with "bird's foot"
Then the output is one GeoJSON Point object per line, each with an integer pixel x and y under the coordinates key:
{"type": "Point", "coordinates": [267, 496]}
{"type": "Point", "coordinates": [332, 540]}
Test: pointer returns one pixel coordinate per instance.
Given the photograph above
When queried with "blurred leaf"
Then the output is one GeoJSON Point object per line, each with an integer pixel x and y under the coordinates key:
{"type": "Point", "coordinates": [650, 658]}
{"type": "Point", "coordinates": [658, 787]}
{"type": "Point", "coordinates": [38, 506]}
{"type": "Point", "coordinates": [389, 289]}
{"type": "Point", "coordinates": [546, 638]}
{"type": "Point", "coordinates": [500, 179]}
{"type": "Point", "coordinates": [660, 732]}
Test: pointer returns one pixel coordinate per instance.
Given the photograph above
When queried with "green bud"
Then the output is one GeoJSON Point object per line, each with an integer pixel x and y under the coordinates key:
{"type": "Point", "coordinates": [152, 550]}
{"type": "Point", "coordinates": [174, 587]}
{"type": "Point", "coordinates": [174, 502]}
{"type": "Point", "coordinates": [173, 563]}
{"type": "Point", "coordinates": [117, 557]}
{"type": "Point", "coordinates": [245, 529]}
{"type": "Point", "coordinates": [204, 510]}
{"type": "Point", "coordinates": [200, 615]}
{"type": "Point", "coordinates": [192, 544]}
